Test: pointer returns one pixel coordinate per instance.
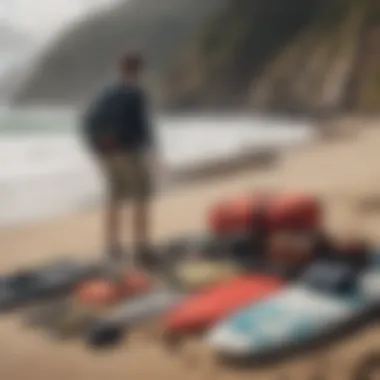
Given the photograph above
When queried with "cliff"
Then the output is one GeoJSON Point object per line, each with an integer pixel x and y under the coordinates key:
{"type": "Point", "coordinates": [83, 57]}
{"type": "Point", "coordinates": [333, 65]}
{"type": "Point", "coordinates": [271, 55]}
{"type": "Point", "coordinates": [292, 56]}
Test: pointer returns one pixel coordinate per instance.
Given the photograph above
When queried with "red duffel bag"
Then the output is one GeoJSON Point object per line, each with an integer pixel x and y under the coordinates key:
{"type": "Point", "coordinates": [235, 214]}
{"type": "Point", "coordinates": [294, 211]}
{"type": "Point", "coordinates": [279, 211]}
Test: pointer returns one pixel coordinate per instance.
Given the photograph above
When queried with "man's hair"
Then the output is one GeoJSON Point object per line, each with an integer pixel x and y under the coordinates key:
{"type": "Point", "coordinates": [131, 62]}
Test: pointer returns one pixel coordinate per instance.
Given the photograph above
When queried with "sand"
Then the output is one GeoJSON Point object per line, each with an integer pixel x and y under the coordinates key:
{"type": "Point", "coordinates": [344, 172]}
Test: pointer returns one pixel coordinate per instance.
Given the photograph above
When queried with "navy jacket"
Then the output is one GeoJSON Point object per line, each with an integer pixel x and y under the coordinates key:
{"type": "Point", "coordinates": [118, 113]}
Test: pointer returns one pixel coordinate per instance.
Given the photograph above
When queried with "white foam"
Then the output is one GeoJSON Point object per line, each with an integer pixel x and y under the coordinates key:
{"type": "Point", "coordinates": [47, 171]}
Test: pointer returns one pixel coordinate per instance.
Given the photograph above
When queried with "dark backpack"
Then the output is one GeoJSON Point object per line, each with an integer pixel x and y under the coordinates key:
{"type": "Point", "coordinates": [330, 276]}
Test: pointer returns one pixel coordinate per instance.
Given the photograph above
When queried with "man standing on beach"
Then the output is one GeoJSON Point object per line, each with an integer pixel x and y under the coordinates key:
{"type": "Point", "coordinates": [118, 131]}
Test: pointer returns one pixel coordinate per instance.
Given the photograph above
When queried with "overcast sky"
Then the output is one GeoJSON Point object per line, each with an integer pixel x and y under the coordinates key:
{"type": "Point", "coordinates": [40, 18]}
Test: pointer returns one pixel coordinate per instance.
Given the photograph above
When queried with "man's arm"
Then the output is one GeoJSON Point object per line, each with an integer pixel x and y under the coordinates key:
{"type": "Point", "coordinates": [143, 121]}
{"type": "Point", "coordinates": [150, 144]}
{"type": "Point", "coordinates": [95, 129]}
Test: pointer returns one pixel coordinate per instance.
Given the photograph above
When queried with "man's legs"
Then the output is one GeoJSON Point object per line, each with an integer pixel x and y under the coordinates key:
{"type": "Point", "coordinates": [141, 225]}
{"type": "Point", "coordinates": [141, 218]}
{"type": "Point", "coordinates": [129, 178]}
{"type": "Point", "coordinates": [113, 228]}
{"type": "Point", "coordinates": [114, 167]}
{"type": "Point", "coordinates": [144, 254]}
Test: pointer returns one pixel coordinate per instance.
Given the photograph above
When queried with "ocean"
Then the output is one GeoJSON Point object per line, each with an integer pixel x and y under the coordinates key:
{"type": "Point", "coordinates": [45, 170]}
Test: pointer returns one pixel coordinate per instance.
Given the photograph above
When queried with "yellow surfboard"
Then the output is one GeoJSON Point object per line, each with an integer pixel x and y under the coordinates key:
{"type": "Point", "coordinates": [197, 274]}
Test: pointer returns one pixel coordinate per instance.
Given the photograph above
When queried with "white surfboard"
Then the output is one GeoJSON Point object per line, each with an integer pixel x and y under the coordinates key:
{"type": "Point", "coordinates": [143, 307]}
{"type": "Point", "coordinates": [292, 316]}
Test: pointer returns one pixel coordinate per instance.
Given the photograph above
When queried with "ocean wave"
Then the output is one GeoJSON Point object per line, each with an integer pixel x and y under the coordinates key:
{"type": "Point", "coordinates": [45, 170]}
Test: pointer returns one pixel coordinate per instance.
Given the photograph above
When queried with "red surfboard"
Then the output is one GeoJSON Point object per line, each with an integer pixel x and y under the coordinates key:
{"type": "Point", "coordinates": [200, 311]}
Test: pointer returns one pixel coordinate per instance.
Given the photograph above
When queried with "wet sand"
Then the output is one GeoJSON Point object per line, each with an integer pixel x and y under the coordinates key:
{"type": "Point", "coordinates": [344, 172]}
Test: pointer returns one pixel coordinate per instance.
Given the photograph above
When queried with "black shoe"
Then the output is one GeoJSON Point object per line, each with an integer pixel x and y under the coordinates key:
{"type": "Point", "coordinates": [105, 335]}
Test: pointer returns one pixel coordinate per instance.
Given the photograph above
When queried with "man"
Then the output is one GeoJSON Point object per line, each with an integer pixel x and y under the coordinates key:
{"type": "Point", "coordinates": [117, 129]}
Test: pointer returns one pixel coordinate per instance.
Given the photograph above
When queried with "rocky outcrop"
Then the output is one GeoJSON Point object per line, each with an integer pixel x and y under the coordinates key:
{"type": "Point", "coordinates": [235, 48]}
{"type": "Point", "coordinates": [286, 56]}
{"type": "Point", "coordinates": [82, 58]}
{"type": "Point", "coordinates": [326, 67]}
{"type": "Point", "coordinates": [272, 55]}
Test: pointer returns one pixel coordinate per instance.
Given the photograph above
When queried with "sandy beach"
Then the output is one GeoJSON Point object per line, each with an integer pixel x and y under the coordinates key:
{"type": "Point", "coordinates": [344, 172]}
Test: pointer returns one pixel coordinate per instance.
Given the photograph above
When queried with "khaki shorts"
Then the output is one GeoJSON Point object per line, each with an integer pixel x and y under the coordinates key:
{"type": "Point", "coordinates": [128, 176]}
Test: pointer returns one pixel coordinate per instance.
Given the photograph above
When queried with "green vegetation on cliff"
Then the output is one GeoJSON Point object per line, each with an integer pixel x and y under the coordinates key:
{"type": "Point", "coordinates": [292, 55]}
{"type": "Point", "coordinates": [236, 47]}
{"type": "Point", "coordinates": [276, 55]}
{"type": "Point", "coordinates": [322, 68]}
{"type": "Point", "coordinates": [83, 58]}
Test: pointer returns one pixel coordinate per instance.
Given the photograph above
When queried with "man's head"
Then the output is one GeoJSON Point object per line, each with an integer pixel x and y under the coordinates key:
{"type": "Point", "coordinates": [131, 65]}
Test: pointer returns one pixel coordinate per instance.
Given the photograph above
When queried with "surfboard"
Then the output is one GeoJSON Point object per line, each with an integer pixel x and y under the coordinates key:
{"type": "Point", "coordinates": [29, 285]}
{"type": "Point", "coordinates": [208, 247]}
{"type": "Point", "coordinates": [60, 318]}
{"type": "Point", "coordinates": [201, 310]}
{"type": "Point", "coordinates": [196, 274]}
{"type": "Point", "coordinates": [111, 328]}
{"type": "Point", "coordinates": [70, 315]}
{"type": "Point", "coordinates": [297, 315]}
{"type": "Point", "coordinates": [289, 317]}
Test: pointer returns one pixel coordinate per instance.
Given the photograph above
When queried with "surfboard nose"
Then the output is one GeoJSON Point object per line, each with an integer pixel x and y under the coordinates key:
{"type": "Point", "coordinates": [225, 341]}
